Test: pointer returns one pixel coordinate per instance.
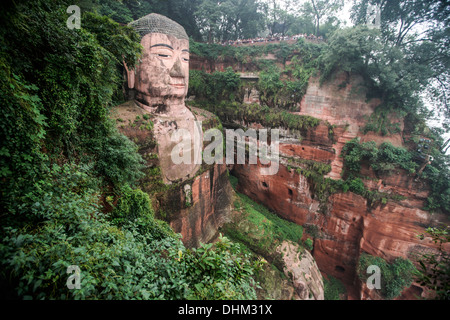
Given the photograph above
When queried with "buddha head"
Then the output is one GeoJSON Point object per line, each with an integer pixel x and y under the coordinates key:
{"type": "Point", "coordinates": [161, 77]}
{"type": "Point", "coordinates": [160, 82]}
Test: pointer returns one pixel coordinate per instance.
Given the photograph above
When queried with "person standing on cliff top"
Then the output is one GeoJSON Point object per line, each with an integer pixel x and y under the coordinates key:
{"type": "Point", "coordinates": [160, 84]}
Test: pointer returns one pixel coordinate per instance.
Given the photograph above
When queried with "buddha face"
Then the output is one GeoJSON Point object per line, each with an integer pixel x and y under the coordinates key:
{"type": "Point", "coordinates": [162, 74]}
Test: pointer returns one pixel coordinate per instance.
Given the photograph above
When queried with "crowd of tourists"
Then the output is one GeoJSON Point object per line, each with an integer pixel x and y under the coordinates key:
{"type": "Point", "coordinates": [273, 38]}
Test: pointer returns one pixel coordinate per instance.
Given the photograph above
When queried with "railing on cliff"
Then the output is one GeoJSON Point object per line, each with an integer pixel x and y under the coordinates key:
{"type": "Point", "coordinates": [273, 40]}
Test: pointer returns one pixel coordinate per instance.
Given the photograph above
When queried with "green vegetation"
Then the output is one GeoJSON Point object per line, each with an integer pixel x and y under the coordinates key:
{"type": "Point", "coordinates": [258, 228]}
{"type": "Point", "coordinates": [279, 88]}
{"type": "Point", "coordinates": [333, 288]}
{"type": "Point", "coordinates": [434, 272]}
{"type": "Point", "coordinates": [382, 159]}
{"type": "Point", "coordinates": [261, 231]}
{"type": "Point", "coordinates": [378, 122]}
{"type": "Point", "coordinates": [308, 244]}
{"type": "Point", "coordinates": [141, 259]}
{"type": "Point", "coordinates": [395, 276]}
{"type": "Point", "coordinates": [386, 158]}
{"type": "Point", "coordinates": [409, 63]}
{"type": "Point", "coordinates": [321, 187]}
{"type": "Point", "coordinates": [437, 174]}
{"type": "Point", "coordinates": [68, 178]}
{"type": "Point", "coordinates": [214, 52]}
{"type": "Point", "coordinates": [399, 66]}
{"type": "Point", "coordinates": [230, 111]}
{"type": "Point", "coordinates": [63, 164]}
{"type": "Point", "coordinates": [215, 87]}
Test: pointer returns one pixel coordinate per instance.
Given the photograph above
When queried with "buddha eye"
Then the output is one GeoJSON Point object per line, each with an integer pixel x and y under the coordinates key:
{"type": "Point", "coordinates": [185, 59]}
{"type": "Point", "coordinates": [163, 55]}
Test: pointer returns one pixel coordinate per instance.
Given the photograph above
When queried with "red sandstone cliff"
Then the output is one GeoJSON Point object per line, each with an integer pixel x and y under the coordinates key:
{"type": "Point", "coordinates": [195, 208]}
{"type": "Point", "coordinates": [348, 226]}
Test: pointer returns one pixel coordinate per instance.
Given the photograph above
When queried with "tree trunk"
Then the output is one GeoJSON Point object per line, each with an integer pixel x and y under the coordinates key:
{"type": "Point", "coordinates": [317, 27]}
{"type": "Point", "coordinates": [317, 17]}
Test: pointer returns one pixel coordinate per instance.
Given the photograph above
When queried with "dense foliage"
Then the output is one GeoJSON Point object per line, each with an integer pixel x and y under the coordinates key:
{"type": "Point", "coordinates": [62, 158]}
{"type": "Point", "coordinates": [215, 21]}
{"type": "Point", "coordinates": [248, 113]}
{"type": "Point", "coordinates": [216, 86]}
{"type": "Point", "coordinates": [415, 35]}
{"type": "Point", "coordinates": [333, 289]}
{"type": "Point", "coordinates": [135, 257]}
{"type": "Point", "coordinates": [280, 88]}
{"type": "Point", "coordinates": [259, 229]}
{"type": "Point", "coordinates": [395, 276]}
{"type": "Point", "coordinates": [384, 159]}
{"type": "Point", "coordinates": [381, 159]}
{"type": "Point", "coordinates": [434, 270]}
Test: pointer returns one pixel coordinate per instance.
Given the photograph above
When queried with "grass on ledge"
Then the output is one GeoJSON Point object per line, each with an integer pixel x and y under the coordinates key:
{"type": "Point", "coordinates": [259, 228]}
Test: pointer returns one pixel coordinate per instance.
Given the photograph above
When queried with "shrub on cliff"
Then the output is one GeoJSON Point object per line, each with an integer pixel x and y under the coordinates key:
{"type": "Point", "coordinates": [214, 87]}
{"type": "Point", "coordinates": [133, 257]}
{"type": "Point", "coordinates": [333, 288]}
{"type": "Point", "coordinates": [434, 271]}
{"type": "Point", "coordinates": [384, 158]}
{"type": "Point", "coordinates": [395, 276]}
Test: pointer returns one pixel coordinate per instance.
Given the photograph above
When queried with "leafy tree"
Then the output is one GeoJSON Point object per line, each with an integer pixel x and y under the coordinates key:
{"type": "Point", "coordinates": [216, 86]}
{"type": "Point", "coordinates": [420, 31]}
{"type": "Point", "coordinates": [302, 24]}
{"type": "Point", "coordinates": [438, 176]}
{"type": "Point", "coordinates": [295, 17]}
{"type": "Point", "coordinates": [322, 9]}
{"type": "Point", "coordinates": [434, 271]}
{"type": "Point", "coordinates": [61, 155]}
{"type": "Point", "coordinates": [390, 73]}
{"type": "Point", "coordinates": [141, 259]}
{"type": "Point", "coordinates": [228, 20]}
{"type": "Point", "coordinates": [116, 10]}
{"type": "Point", "coordinates": [58, 85]}
{"type": "Point", "coordinates": [280, 16]}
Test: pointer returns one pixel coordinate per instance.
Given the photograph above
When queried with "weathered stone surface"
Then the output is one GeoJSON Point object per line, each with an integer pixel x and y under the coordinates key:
{"type": "Point", "coordinates": [194, 198]}
{"type": "Point", "coordinates": [348, 226]}
{"type": "Point", "coordinates": [274, 285]}
{"type": "Point", "coordinates": [211, 206]}
{"type": "Point", "coordinates": [302, 269]}
{"type": "Point", "coordinates": [196, 214]}
{"type": "Point", "coordinates": [156, 23]}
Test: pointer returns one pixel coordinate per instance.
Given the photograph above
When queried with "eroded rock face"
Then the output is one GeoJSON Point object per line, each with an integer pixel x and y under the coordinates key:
{"type": "Point", "coordinates": [180, 143]}
{"type": "Point", "coordinates": [199, 221]}
{"type": "Point", "coordinates": [196, 206]}
{"type": "Point", "coordinates": [159, 83]}
{"type": "Point", "coordinates": [347, 225]}
{"type": "Point", "coordinates": [301, 268]}
{"type": "Point", "coordinates": [194, 198]}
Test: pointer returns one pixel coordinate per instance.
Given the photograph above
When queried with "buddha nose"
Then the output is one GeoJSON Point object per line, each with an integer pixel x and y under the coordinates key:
{"type": "Point", "coordinates": [176, 70]}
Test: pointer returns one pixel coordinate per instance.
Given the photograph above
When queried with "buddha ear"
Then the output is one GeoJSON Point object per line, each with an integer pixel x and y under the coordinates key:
{"type": "Point", "coordinates": [130, 76]}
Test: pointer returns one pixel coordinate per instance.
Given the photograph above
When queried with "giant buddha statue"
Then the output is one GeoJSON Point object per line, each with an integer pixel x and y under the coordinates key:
{"type": "Point", "coordinates": [160, 84]}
